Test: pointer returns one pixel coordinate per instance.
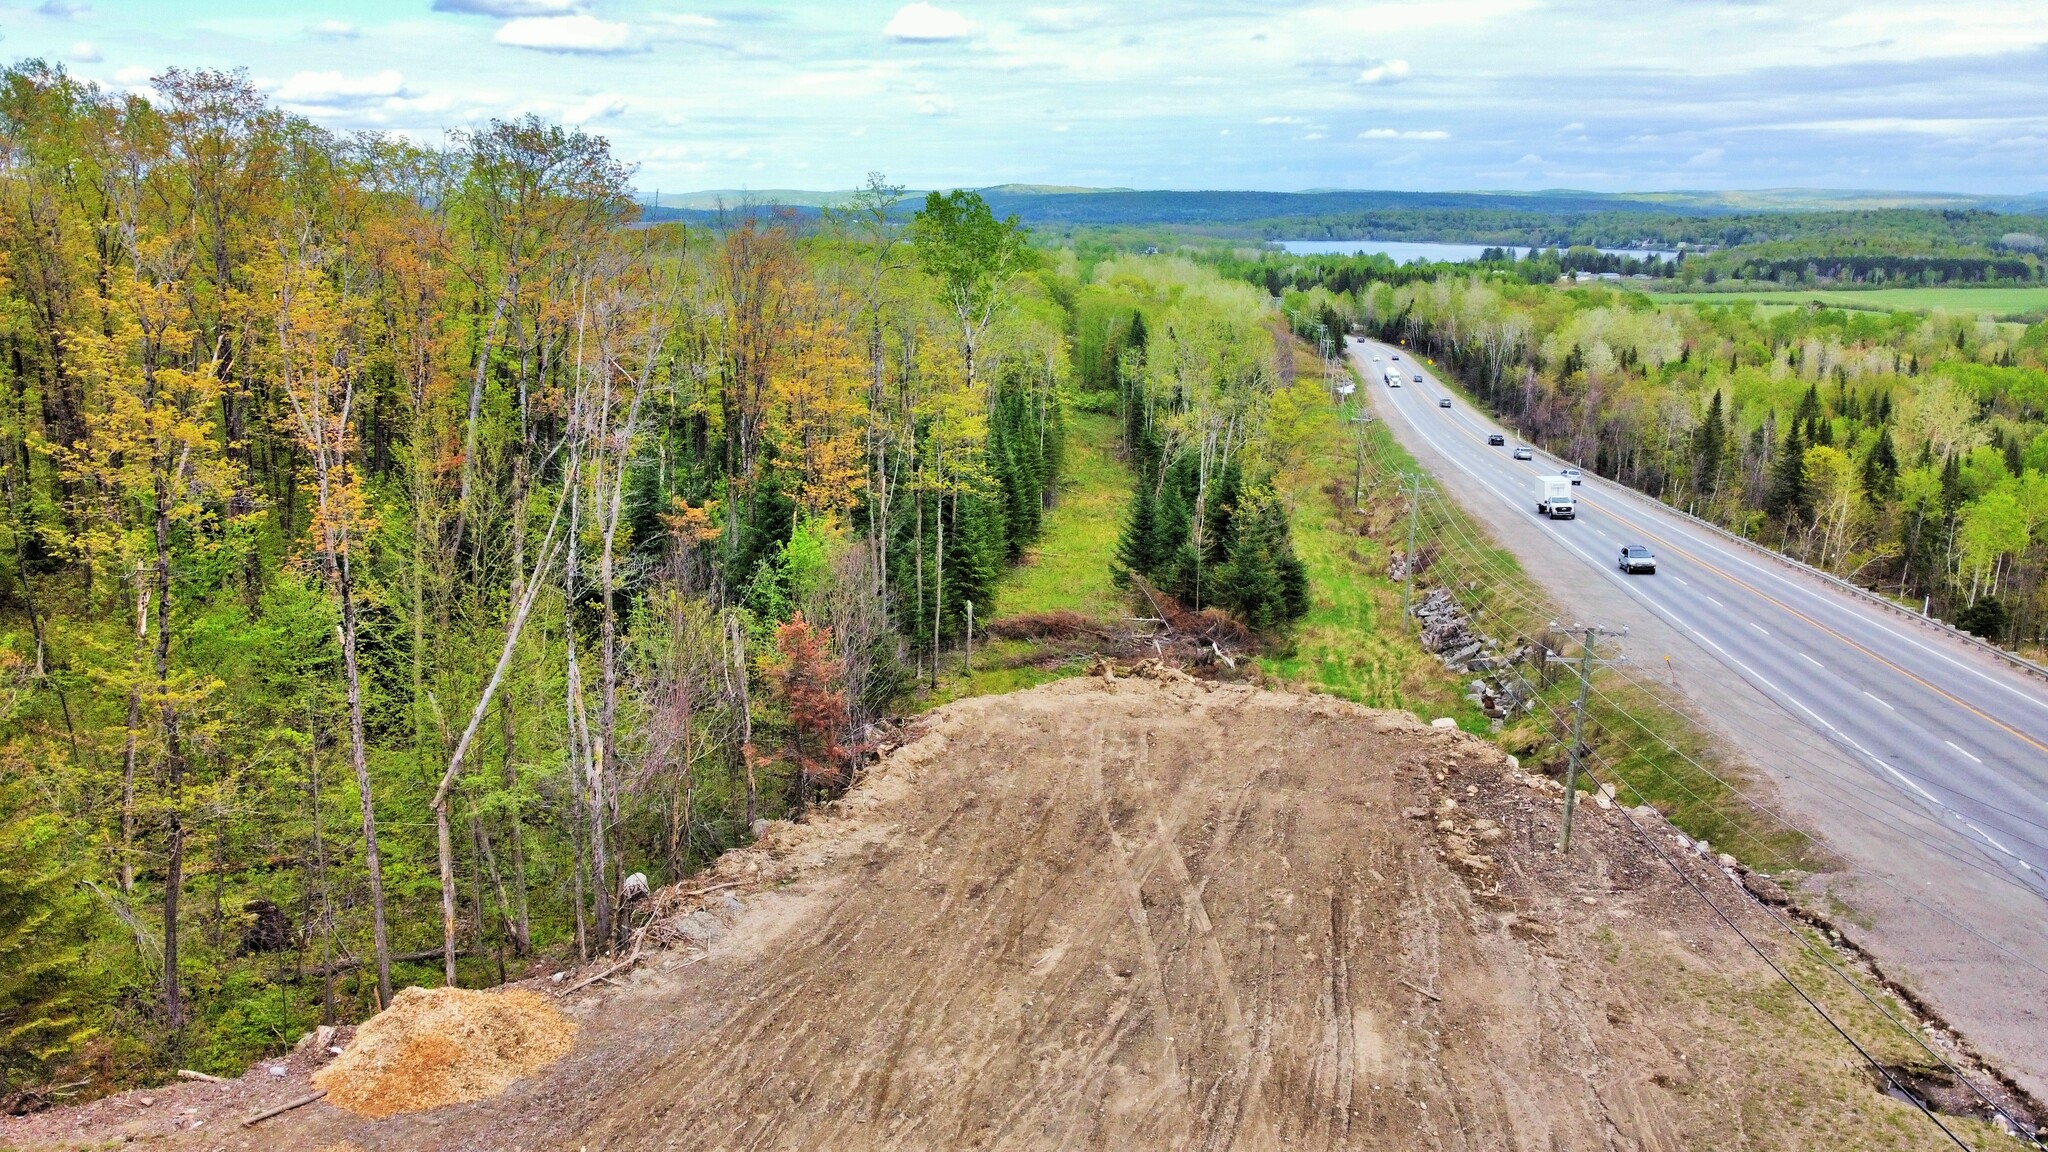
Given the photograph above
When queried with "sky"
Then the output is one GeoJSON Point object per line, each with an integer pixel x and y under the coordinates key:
{"type": "Point", "coordinates": [1605, 95]}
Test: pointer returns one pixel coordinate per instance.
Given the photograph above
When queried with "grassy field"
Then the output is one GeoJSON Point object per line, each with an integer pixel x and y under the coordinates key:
{"type": "Point", "coordinates": [1067, 569]}
{"type": "Point", "coordinates": [1354, 643]}
{"type": "Point", "coordinates": [1975, 301]}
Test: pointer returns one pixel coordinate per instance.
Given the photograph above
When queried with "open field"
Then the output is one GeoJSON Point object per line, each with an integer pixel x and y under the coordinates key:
{"type": "Point", "coordinates": [1152, 913]}
{"type": "Point", "coordinates": [1976, 301]}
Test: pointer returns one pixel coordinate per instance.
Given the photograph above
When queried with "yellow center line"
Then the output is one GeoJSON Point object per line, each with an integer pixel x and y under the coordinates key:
{"type": "Point", "coordinates": [1761, 594]}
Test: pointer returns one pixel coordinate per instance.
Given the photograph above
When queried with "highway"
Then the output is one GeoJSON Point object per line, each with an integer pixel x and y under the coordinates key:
{"type": "Point", "coordinates": [1923, 760]}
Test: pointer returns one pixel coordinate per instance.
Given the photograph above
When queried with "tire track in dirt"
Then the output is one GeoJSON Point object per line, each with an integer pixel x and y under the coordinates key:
{"type": "Point", "coordinates": [1153, 914]}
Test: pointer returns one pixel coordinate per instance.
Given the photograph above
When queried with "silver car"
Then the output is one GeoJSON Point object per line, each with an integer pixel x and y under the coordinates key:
{"type": "Point", "coordinates": [1524, 452]}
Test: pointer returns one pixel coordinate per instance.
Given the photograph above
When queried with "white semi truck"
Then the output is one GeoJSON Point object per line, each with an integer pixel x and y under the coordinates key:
{"type": "Point", "coordinates": [1554, 497]}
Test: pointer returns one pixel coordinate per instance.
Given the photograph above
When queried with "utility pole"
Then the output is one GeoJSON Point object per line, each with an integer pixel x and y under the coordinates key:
{"type": "Point", "coordinates": [1586, 662]}
{"type": "Point", "coordinates": [970, 637]}
{"type": "Point", "coordinates": [1358, 423]}
{"type": "Point", "coordinates": [1413, 483]}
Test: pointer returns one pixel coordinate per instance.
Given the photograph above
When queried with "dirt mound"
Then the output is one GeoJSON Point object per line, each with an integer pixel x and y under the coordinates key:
{"type": "Point", "coordinates": [1151, 913]}
{"type": "Point", "coordinates": [437, 1046]}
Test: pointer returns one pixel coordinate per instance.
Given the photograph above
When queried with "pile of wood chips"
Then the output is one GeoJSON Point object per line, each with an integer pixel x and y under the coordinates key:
{"type": "Point", "coordinates": [437, 1046]}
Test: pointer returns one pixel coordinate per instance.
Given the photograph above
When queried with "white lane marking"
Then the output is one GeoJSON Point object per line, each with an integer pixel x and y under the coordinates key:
{"type": "Point", "coordinates": [1961, 749]}
{"type": "Point", "coordinates": [1682, 580]}
{"type": "Point", "coordinates": [1862, 614]}
{"type": "Point", "coordinates": [1759, 678]}
{"type": "Point", "coordinates": [1812, 661]}
{"type": "Point", "coordinates": [1717, 603]}
{"type": "Point", "coordinates": [1887, 706]}
{"type": "Point", "coordinates": [1758, 627]}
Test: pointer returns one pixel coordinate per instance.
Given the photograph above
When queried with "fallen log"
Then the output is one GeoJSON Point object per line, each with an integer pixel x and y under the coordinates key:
{"type": "Point", "coordinates": [283, 1108]}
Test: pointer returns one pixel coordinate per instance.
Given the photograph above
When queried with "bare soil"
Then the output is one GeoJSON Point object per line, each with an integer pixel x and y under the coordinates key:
{"type": "Point", "coordinates": [1147, 912]}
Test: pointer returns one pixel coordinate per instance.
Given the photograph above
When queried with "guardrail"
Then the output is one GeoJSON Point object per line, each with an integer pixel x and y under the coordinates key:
{"type": "Point", "coordinates": [2013, 658]}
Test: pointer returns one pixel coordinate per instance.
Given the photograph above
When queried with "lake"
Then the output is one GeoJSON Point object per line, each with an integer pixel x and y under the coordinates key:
{"type": "Point", "coordinates": [1410, 251]}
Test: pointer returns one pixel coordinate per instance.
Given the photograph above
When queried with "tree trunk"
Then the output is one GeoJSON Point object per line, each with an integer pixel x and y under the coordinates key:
{"type": "Point", "coordinates": [174, 758]}
{"type": "Point", "coordinates": [359, 761]}
{"type": "Point", "coordinates": [522, 930]}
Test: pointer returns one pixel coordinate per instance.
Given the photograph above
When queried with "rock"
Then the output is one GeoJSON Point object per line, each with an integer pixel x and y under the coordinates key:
{"type": "Point", "coordinates": [1765, 889]}
{"type": "Point", "coordinates": [1725, 860]}
{"type": "Point", "coordinates": [1600, 798]}
{"type": "Point", "coordinates": [1415, 813]}
{"type": "Point", "coordinates": [1515, 763]}
{"type": "Point", "coordinates": [1444, 722]}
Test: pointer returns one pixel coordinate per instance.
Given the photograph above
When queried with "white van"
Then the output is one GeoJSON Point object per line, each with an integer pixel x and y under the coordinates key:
{"type": "Point", "coordinates": [1554, 498]}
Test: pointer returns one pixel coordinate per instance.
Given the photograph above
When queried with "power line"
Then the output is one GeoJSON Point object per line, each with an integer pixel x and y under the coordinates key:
{"type": "Point", "coordinates": [1452, 523]}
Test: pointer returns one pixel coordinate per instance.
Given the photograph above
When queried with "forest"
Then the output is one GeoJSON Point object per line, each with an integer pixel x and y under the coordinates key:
{"type": "Point", "coordinates": [412, 556]}
{"type": "Point", "coordinates": [1905, 452]}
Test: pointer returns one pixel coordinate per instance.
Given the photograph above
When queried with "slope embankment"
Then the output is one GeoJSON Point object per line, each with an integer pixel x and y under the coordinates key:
{"type": "Point", "coordinates": [1145, 912]}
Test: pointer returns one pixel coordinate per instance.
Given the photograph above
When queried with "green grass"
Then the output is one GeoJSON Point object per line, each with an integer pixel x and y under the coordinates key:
{"type": "Point", "coordinates": [1069, 567]}
{"type": "Point", "coordinates": [1977, 301]}
{"type": "Point", "coordinates": [1353, 643]}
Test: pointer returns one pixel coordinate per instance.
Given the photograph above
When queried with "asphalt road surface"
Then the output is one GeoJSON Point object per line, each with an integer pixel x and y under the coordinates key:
{"type": "Point", "coordinates": [1921, 761]}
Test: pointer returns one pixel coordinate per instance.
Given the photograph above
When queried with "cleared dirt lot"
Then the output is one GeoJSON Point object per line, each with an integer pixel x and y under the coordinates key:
{"type": "Point", "coordinates": [1153, 913]}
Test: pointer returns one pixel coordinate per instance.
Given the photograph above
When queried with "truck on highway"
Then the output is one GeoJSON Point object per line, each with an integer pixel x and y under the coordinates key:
{"type": "Point", "coordinates": [1554, 497]}
{"type": "Point", "coordinates": [1393, 379]}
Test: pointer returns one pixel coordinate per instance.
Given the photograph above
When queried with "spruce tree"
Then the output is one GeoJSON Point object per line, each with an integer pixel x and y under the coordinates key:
{"type": "Point", "coordinates": [1135, 544]}
{"type": "Point", "coordinates": [1788, 498]}
{"type": "Point", "coordinates": [1881, 468]}
{"type": "Point", "coordinates": [1709, 443]}
{"type": "Point", "coordinates": [45, 981]}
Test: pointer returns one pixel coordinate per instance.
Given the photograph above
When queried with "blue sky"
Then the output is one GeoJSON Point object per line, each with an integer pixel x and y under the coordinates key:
{"type": "Point", "coordinates": [1435, 94]}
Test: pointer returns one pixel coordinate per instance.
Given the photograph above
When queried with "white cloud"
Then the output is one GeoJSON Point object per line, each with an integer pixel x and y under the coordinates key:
{"type": "Point", "coordinates": [1383, 72]}
{"type": "Point", "coordinates": [1061, 19]}
{"type": "Point", "coordinates": [684, 19]}
{"type": "Point", "coordinates": [1404, 134]}
{"type": "Point", "coordinates": [921, 23]}
{"type": "Point", "coordinates": [1574, 126]}
{"type": "Point", "coordinates": [1707, 158]}
{"type": "Point", "coordinates": [335, 30]}
{"type": "Point", "coordinates": [1313, 136]}
{"type": "Point", "coordinates": [582, 33]}
{"type": "Point", "coordinates": [934, 105]}
{"type": "Point", "coordinates": [507, 8]}
{"type": "Point", "coordinates": [85, 52]}
{"type": "Point", "coordinates": [132, 75]}
{"type": "Point", "coordinates": [62, 9]}
{"type": "Point", "coordinates": [603, 106]}
{"type": "Point", "coordinates": [337, 90]}
{"type": "Point", "coordinates": [1283, 119]}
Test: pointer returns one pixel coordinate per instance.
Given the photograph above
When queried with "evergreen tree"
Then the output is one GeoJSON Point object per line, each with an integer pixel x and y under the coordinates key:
{"type": "Point", "coordinates": [1263, 583]}
{"type": "Point", "coordinates": [1788, 498]}
{"type": "Point", "coordinates": [1709, 445]}
{"type": "Point", "coordinates": [1881, 468]}
{"type": "Point", "coordinates": [1135, 544]}
{"type": "Point", "coordinates": [44, 976]}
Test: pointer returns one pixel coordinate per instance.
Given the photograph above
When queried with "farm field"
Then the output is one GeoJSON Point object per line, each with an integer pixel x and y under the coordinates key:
{"type": "Point", "coordinates": [1996, 301]}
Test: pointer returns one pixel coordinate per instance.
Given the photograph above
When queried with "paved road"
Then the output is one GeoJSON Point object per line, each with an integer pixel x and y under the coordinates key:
{"type": "Point", "coordinates": [1921, 760]}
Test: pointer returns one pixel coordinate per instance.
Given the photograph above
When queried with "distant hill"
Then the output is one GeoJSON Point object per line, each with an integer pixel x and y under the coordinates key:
{"type": "Point", "coordinates": [1549, 216]}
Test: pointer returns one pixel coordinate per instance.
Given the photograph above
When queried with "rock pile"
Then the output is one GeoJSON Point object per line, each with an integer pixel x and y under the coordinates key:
{"type": "Point", "coordinates": [1447, 631]}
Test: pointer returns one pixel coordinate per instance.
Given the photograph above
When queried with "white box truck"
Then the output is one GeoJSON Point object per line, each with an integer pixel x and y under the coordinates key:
{"type": "Point", "coordinates": [1554, 497]}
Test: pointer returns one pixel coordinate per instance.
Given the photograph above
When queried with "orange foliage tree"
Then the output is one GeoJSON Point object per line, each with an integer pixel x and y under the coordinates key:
{"type": "Point", "coordinates": [805, 679]}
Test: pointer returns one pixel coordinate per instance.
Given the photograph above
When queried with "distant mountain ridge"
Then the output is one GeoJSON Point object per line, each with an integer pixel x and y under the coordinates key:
{"type": "Point", "coordinates": [1058, 205]}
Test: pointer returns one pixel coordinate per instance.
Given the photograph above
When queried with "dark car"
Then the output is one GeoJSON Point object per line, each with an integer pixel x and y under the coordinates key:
{"type": "Point", "coordinates": [1418, 377]}
{"type": "Point", "coordinates": [1443, 402]}
{"type": "Point", "coordinates": [1637, 558]}
{"type": "Point", "coordinates": [1496, 440]}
